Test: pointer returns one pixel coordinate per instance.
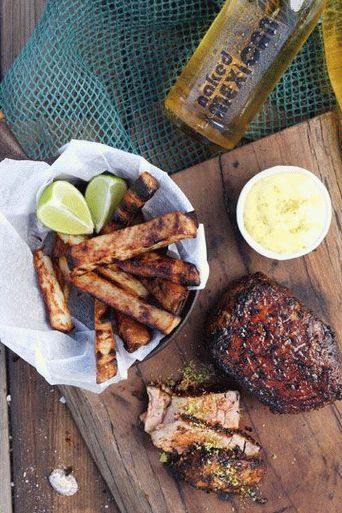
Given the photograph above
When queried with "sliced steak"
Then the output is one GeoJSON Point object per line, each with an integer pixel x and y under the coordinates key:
{"type": "Point", "coordinates": [274, 346]}
{"type": "Point", "coordinates": [218, 470]}
{"type": "Point", "coordinates": [212, 408]}
{"type": "Point", "coordinates": [158, 401]}
{"type": "Point", "coordinates": [184, 433]}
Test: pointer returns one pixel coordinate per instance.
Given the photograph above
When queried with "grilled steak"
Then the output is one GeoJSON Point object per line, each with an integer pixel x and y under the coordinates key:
{"type": "Point", "coordinates": [165, 408]}
{"type": "Point", "coordinates": [185, 432]}
{"type": "Point", "coordinates": [158, 401]}
{"type": "Point", "coordinates": [222, 409]}
{"type": "Point", "coordinates": [203, 444]}
{"type": "Point", "coordinates": [218, 470]}
{"type": "Point", "coordinates": [275, 346]}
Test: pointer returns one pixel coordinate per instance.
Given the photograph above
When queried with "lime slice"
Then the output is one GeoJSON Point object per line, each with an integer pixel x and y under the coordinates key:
{"type": "Point", "coordinates": [62, 208]}
{"type": "Point", "coordinates": [103, 195]}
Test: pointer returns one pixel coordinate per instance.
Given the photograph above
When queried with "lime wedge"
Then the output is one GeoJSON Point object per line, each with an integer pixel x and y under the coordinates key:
{"type": "Point", "coordinates": [103, 195]}
{"type": "Point", "coordinates": [62, 208]}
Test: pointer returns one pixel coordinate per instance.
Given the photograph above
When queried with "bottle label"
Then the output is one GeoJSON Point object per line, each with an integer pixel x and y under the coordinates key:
{"type": "Point", "coordinates": [230, 78]}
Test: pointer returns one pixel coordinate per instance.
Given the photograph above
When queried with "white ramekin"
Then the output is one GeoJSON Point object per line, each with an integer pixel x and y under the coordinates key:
{"type": "Point", "coordinates": [274, 171]}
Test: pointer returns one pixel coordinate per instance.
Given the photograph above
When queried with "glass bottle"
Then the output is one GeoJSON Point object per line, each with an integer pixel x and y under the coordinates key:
{"type": "Point", "coordinates": [246, 50]}
{"type": "Point", "coordinates": [332, 34]}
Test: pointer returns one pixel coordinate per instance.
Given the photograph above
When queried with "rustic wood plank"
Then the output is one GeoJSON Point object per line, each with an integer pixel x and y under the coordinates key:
{"type": "Point", "coordinates": [44, 434]}
{"type": "Point", "coordinates": [17, 20]}
{"type": "Point", "coordinates": [312, 457]}
{"type": "Point", "coordinates": [303, 451]}
{"type": "Point", "coordinates": [5, 465]}
{"type": "Point", "coordinates": [41, 442]}
{"type": "Point", "coordinates": [44, 438]}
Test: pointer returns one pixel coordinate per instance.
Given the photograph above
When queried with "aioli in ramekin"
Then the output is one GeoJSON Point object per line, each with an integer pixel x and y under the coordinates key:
{"type": "Point", "coordinates": [284, 212]}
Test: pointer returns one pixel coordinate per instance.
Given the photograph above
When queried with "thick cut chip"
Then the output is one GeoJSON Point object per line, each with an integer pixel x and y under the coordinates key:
{"type": "Point", "coordinates": [124, 280]}
{"type": "Point", "coordinates": [105, 347]}
{"type": "Point", "coordinates": [63, 243]}
{"type": "Point", "coordinates": [125, 303]}
{"type": "Point", "coordinates": [170, 295]}
{"type": "Point", "coordinates": [154, 265]}
{"type": "Point", "coordinates": [62, 270]}
{"type": "Point", "coordinates": [56, 304]}
{"type": "Point", "coordinates": [129, 242]}
{"type": "Point", "coordinates": [133, 201]}
{"type": "Point", "coordinates": [133, 333]}
{"type": "Point", "coordinates": [72, 240]}
{"type": "Point", "coordinates": [60, 251]}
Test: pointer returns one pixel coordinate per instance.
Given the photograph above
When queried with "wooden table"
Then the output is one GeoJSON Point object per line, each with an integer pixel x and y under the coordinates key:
{"type": "Point", "coordinates": [37, 433]}
{"type": "Point", "coordinates": [43, 434]}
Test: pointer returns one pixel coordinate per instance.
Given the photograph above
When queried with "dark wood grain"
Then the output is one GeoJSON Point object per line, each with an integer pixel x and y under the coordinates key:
{"type": "Point", "coordinates": [304, 451]}
{"type": "Point", "coordinates": [17, 20]}
{"type": "Point", "coordinates": [5, 466]}
{"type": "Point", "coordinates": [45, 437]}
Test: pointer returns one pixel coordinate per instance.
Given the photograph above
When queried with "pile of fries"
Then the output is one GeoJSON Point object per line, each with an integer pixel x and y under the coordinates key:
{"type": "Point", "coordinates": [127, 270]}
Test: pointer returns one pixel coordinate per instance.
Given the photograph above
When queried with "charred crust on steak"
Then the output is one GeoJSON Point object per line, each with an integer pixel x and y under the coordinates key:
{"type": "Point", "coordinates": [219, 429]}
{"type": "Point", "coordinates": [274, 346]}
{"type": "Point", "coordinates": [218, 470]}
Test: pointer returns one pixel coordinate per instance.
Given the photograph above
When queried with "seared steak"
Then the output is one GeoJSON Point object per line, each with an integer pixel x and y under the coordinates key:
{"type": "Point", "coordinates": [202, 442]}
{"type": "Point", "coordinates": [158, 401]}
{"type": "Point", "coordinates": [274, 346]}
{"type": "Point", "coordinates": [218, 470]}
{"type": "Point", "coordinates": [185, 432]}
{"type": "Point", "coordinates": [212, 408]}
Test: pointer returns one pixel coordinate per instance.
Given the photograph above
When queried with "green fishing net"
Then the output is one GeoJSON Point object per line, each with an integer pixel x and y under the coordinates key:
{"type": "Point", "coordinates": [100, 69]}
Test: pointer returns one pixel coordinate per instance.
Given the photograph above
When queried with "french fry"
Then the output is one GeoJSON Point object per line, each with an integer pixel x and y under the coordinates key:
{"type": "Point", "coordinates": [63, 243]}
{"type": "Point", "coordinates": [129, 242]}
{"type": "Point", "coordinates": [72, 240]}
{"type": "Point", "coordinates": [105, 346]}
{"type": "Point", "coordinates": [126, 281]}
{"type": "Point", "coordinates": [133, 333]}
{"type": "Point", "coordinates": [170, 295]}
{"type": "Point", "coordinates": [62, 270]}
{"type": "Point", "coordinates": [133, 201]}
{"type": "Point", "coordinates": [154, 265]}
{"type": "Point", "coordinates": [125, 303]}
{"type": "Point", "coordinates": [56, 304]}
{"type": "Point", "coordinates": [61, 249]}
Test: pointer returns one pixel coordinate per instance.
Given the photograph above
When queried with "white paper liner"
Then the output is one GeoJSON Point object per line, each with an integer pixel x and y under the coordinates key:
{"type": "Point", "coordinates": [68, 358]}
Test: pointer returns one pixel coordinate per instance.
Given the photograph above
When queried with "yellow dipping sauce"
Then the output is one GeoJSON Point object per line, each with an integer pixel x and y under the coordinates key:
{"type": "Point", "coordinates": [285, 212]}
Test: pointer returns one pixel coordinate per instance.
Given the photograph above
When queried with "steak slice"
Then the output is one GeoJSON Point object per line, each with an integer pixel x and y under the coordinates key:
{"type": "Point", "coordinates": [216, 470]}
{"type": "Point", "coordinates": [158, 402]}
{"type": "Point", "coordinates": [274, 346]}
{"type": "Point", "coordinates": [202, 443]}
{"type": "Point", "coordinates": [212, 408]}
{"type": "Point", "coordinates": [184, 433]}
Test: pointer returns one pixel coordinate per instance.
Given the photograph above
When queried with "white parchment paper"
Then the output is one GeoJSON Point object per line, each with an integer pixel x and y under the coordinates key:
{"type": "Point", "coordinates": [60, 358]}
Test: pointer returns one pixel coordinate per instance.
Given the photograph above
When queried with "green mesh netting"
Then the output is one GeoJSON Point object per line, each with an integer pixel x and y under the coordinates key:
{"type": "Point", "coordinates": [100, 70]}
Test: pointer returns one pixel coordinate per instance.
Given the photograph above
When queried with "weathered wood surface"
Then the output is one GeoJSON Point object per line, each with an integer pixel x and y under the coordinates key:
{"type": "Point", "coordinates": [17, 20]}
{"type": "Point", "coordinates": [5, 466]}
{"type": "Point", "coordinates": [44, 435]}
{"type": "Point", "coordinates": [304, 452]}
{"type": "Point", "coordinates": [308, 448]}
